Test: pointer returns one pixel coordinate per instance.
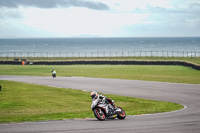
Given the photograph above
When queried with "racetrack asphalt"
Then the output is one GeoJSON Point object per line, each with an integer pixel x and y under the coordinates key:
{"type": "Point", "coordinates": [186, 120]}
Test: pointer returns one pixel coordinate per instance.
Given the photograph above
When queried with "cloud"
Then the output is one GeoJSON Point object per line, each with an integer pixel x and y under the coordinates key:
{"type": "Point", "coordinates": [12, 13]}
{"type": "Point", "coordinates": [156, 6]}
{"type": "Point", "coordinates": [64, 18]}
{"type": "Point", "coordinates": [53, 4]}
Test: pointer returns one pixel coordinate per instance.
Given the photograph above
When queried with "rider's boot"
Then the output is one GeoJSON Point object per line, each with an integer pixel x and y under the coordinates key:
{"type": "Point", "coordinates": [113, 104]}
{"type": "Point", "coordinates": [114, 107]}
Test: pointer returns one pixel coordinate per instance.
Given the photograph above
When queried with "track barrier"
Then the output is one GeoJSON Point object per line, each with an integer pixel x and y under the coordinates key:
{"type": "Point", "coordinates": [176, 63]}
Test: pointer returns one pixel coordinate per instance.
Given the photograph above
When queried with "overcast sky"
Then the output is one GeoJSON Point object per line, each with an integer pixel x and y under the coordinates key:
{"type": "Point", "coordinates": [99, 18]}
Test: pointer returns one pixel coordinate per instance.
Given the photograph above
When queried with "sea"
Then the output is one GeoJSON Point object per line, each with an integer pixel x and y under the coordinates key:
{"type": "Point", "coordinates": [98, 45]}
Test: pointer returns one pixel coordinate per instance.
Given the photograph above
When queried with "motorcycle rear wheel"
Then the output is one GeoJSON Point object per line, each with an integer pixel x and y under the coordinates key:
{"type": "Point", "coordinates": [99, 114]}
{"type": "Point", "coordinates": [122, 114]}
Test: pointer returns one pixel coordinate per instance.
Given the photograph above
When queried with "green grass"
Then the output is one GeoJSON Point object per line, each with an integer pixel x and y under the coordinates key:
{"type": "Point", "coordinates": [30, 102]}
{"type": "Point", "coordinates": [176, 74]}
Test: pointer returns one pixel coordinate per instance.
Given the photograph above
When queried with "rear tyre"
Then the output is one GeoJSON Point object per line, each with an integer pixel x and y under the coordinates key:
{"type": "Point", "coordinates": [99, 114]}
{"type": "Point", "coordinates": [122, 114]}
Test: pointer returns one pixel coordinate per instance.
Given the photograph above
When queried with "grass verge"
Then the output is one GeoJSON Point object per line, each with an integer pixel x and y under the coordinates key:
{"type": "Point", "coordinates": [30, 102]}
{"type": "Point", "coordinates": [175, 74]}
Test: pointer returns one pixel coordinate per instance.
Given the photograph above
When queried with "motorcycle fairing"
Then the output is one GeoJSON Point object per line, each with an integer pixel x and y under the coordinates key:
{"type": "Point", "coordinates": [105, 107]}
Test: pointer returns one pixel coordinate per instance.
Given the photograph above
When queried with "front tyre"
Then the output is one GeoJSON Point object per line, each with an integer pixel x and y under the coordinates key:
{"type": "Point", "coordinates": [99, 114]}
{"type": "Point", "coordinates": [121, 114]}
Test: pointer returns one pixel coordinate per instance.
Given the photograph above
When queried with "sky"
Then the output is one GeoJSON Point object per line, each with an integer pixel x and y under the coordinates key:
{"type": "Point", "coordinates": [99, 18]}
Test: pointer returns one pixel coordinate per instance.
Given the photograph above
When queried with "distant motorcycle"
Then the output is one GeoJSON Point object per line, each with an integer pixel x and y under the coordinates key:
{"type": "Point", "coordinates": [53, 73]}
{"type": "Point", "coordinates": [104, 110]}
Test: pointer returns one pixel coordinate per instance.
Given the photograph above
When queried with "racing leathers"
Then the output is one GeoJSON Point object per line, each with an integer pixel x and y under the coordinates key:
{"type": "Point", "coordinates": [104, 99]}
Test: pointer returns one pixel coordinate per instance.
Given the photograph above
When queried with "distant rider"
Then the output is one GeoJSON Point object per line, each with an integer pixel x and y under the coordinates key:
{"type": "Point", "coordinates": [100, 98]}
{"type": "Point", "coordinates": [53, 73]}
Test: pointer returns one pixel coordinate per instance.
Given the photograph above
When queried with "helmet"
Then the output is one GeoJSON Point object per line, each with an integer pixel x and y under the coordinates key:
{"type": "Point", "coordinates": [94, 94]}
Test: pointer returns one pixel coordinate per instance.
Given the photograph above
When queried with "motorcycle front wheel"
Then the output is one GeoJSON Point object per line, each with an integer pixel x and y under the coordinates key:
{"type": "Point", "coordinates": [99, 114]}
{"type": "Point", "coordinates": [121, 114]}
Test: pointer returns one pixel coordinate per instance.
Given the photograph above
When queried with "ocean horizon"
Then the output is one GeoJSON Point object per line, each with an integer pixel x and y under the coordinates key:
{"type": "Point", "coordinates": [100, 44]}
{"type": "Point", "coordinates": [111, 46]}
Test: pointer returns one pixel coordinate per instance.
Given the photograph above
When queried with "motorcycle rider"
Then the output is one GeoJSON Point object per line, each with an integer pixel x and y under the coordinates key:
{"type": "Point", "coordinates": [53, 71]}
{"type": "Point", "coordinates": [100, 98]}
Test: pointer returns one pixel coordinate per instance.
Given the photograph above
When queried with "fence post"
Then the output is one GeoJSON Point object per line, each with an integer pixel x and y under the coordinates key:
{"type": "Point", "coordinates": [167, 54]}
{"type": "Point", "coordinates": [103, 54]}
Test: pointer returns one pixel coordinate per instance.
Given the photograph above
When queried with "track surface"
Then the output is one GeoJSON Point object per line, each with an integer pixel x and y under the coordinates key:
{"type": "Point", "coordinates": [186, 120]}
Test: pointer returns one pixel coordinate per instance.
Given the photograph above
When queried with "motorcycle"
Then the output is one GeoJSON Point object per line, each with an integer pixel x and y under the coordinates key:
{"type": "Point", "coordinates": [104, 110]}
{"type": "Point", "coordinates": [53, 74]}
